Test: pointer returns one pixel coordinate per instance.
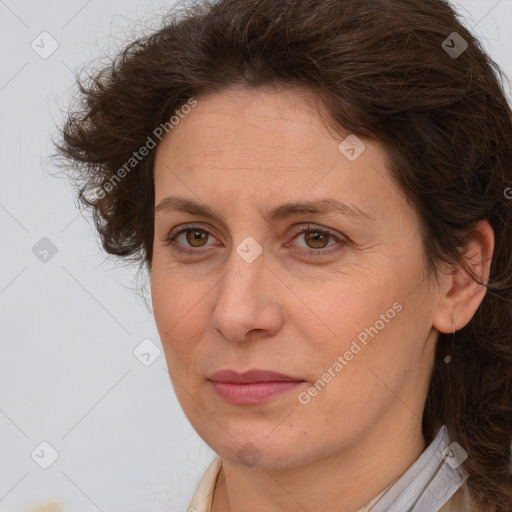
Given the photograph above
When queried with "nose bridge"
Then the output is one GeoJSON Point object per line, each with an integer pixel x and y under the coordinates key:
{"type": "Point", "coordinates": [246, 267]}
{"type": "Point", "coordinates": [245, 301]}
{"type": "Point", "coordinates": [240, 285]}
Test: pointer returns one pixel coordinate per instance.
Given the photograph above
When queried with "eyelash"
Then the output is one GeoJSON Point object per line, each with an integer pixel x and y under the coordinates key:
{"type": "Point", "coordinates": [299, 231]}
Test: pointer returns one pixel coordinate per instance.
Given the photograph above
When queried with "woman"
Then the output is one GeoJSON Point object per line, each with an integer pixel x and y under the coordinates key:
{"type": "Point", "coordinates": [320, 191]}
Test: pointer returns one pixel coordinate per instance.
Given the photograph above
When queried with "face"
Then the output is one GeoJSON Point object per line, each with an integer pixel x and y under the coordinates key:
{"type": "Point", "coordinates": [334, 296]}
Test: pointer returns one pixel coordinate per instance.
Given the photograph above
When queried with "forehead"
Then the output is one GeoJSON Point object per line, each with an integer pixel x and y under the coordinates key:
{"type": "Point", "coordinates": [270, 143]}
{"type": "Point", "coordinates": [242, 126]}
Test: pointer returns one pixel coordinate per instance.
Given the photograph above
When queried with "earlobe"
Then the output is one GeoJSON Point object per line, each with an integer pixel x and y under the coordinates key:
{"type": "Point", "coordinates": [462, 294]}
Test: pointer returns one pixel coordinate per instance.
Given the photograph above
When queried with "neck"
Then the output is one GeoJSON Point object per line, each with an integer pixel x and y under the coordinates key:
{"type": "Point", "coordinates": [346, 480]}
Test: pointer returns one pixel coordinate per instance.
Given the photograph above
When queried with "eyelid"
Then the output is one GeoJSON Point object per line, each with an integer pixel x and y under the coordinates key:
{"type": "Point", "coordinates": [193, 225]}
{"type": "Point", "coordinates": [170, 239]}
{"type": "Point", "coordinates": [323, 251]}
{"type": "Point", "coordinates": [297, 230]}
{"type": "Point", "coordinates": [307, 226]}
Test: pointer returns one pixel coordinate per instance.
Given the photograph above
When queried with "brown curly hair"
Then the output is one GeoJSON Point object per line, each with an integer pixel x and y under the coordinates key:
{"type": "Point", "coordinates": [383, 72]}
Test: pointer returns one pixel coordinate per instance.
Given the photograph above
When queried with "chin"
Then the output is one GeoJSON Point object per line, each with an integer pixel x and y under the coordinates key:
{"type": "Point", "coordinates": [262, 448]}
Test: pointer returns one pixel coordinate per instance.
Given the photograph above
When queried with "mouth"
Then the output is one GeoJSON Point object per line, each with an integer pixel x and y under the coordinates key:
{"type": "Point", "coordinates": [252, 387]}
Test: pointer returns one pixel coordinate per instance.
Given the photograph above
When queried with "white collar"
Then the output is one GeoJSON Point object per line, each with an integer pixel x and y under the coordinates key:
{"type": "Point", "coordinates": [426, 486]}
{"type": "Point", "coordinates": [431, 480]}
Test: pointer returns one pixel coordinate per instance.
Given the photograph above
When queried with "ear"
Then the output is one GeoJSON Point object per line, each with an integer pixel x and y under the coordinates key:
{"type": "Point", "coordinates": [460, 296]}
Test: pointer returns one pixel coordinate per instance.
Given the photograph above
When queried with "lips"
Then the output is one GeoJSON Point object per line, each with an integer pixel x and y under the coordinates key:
{"type": "Point", "coordinates": [252, 387]}
{"type": "Point", "coordinates": [252, 376]}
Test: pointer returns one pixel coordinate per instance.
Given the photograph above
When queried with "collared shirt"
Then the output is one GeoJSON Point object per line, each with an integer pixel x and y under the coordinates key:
{"type": "Point", "coordinates": [435, 482]}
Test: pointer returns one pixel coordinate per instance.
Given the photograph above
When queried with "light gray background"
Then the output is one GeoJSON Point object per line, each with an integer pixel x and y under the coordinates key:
{"type": "Point", "coordinates": [69, 326]}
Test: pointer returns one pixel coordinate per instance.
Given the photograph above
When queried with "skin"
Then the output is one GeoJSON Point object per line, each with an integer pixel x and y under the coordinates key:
{"type": "Point", "coordinates": [242, 152]}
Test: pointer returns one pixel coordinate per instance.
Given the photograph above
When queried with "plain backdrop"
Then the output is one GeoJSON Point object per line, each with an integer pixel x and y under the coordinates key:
{"type": "Point", "coordinates": [73, 395]}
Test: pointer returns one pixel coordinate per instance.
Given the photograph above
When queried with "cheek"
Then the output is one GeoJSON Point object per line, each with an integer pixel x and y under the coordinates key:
{"type": "Point", "coordinates": [172, 297]}
{"type": "Point", "coordinates": [179, 311]}
{"type": "Point", "coordinates": [348, 310]}
{"type": "Point", "coordinates": [163, 299]}
{"type": "Point", "coordinates": [357, 327]}
{"type": "Point", "coordinates": [376, 355]}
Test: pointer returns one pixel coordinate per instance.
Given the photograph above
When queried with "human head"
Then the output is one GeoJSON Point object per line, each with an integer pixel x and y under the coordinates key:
{"type": "Point", "coordinates": [380, 70]}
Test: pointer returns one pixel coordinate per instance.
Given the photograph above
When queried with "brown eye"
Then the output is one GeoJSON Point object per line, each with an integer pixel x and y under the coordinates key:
{"type": "Point", "coordinates": [317, 239]}
{"type": "Point", "coordinates": [196, 237]}
{"type": "Point", "coordinates": [188, 239]}
{"type": "Point", "coordinates": [312, 241]}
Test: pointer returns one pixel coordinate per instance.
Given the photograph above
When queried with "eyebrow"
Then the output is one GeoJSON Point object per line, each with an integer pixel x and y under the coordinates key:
{"type": "Point", "coordinates": [321, 206]}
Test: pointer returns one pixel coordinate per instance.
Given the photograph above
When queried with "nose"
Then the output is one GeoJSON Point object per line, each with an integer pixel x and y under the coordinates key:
{"type": "Point", "coordinates": [247, 305]}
